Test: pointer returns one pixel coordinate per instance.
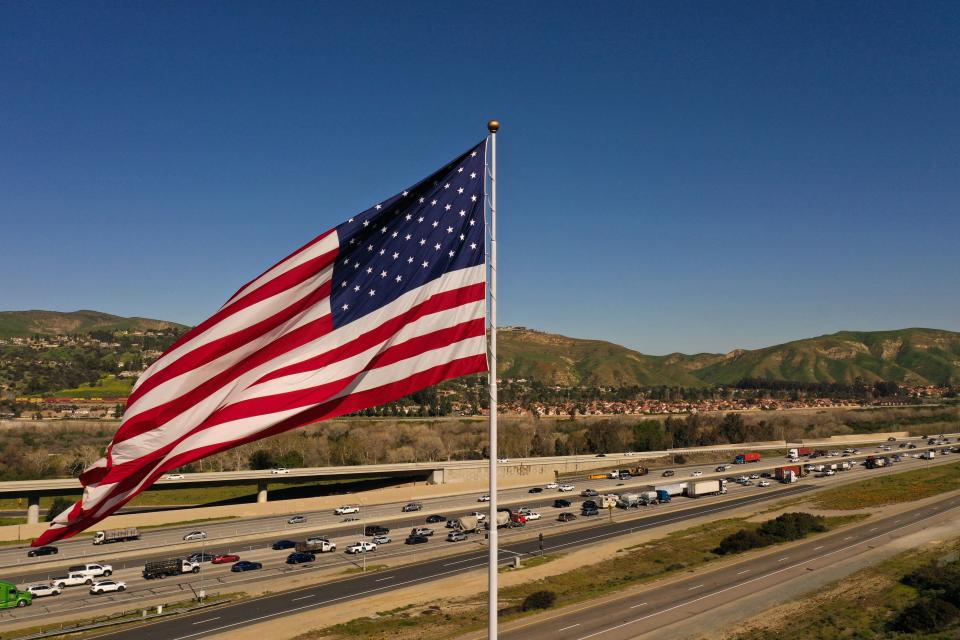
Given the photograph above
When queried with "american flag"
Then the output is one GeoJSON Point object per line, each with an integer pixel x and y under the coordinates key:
{"type": "Point", "coordinates": [387, 303]}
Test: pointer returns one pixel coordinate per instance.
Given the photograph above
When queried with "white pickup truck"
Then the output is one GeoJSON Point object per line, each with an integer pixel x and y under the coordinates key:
{"type": "Point", "coordinates": [345, 509]}
{"type": "Point", "coordinates": [94, 570]}
{"type": "Point", "coordinates": [71, 580]}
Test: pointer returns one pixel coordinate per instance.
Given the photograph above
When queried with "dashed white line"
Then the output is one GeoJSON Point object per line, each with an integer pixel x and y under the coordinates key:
{"type": "Point", "coordinates": [570, 627]}
{"type": "Point", "coordinates": [304, 597]}
{"type": "Point", "coordinates": [696, 587]}
{"type": "Point", "coordinates": [382, 579]}
{"type": "Point", "coordinates": [818, 548]}
{"type": "Point", "coordinates": [848, 538]}
{"type": "Point", "coordinates": [206, 621]}
{"type": "Point", "coordinates": [739, 573]}
{"type": "Point", "coordinates": [638, 605]}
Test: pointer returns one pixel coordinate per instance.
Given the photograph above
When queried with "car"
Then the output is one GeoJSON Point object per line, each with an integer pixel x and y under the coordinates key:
{"type": "Point", "coordinates": [535, 490]}
{"type": "Point", "coordinates": [435, 518]}
{"type": "Point", "coordinates": [484, 498]}
{"type": "Point", "coordinates": [225, 558]}
{"type": "Point", "coordinates": [764, 483]}
{"type": "Point", "coordinates": [696, 474]}
{"type": "Point", "coordinates": [45, 550]}
{"type": "Point", "coordinates": [766, 474]}
{"type": "Point", "coordinates": [589, 493]}
{"type": "Point", "coordinates": [346, 509]}
{"type": "Point", "coordinates": [561, 504]}
{"type": "Point", "coordinates": [601, 455]}
{"type": "Point", "coordinates": [891, 439]}
{"type": "Point", "coordinates": [566, 487]}
{"type": "Point", "coordinates": [722, 467]}
{"type": "Point", "coordinates": [829, 472]}
{"type": "Point", "coordinates": [416, 540]}
{"type": "Point", "coordinates": [421, 531]}
{"type": "Point", "coordinates": [531, 515]}
{"type": "Point", "coordinates": [107, 586]}
{"type": "Point", "coordinates": [451, 523]}
{"type": "Point", "coordinates": [71, 580]}
{"type": "Point", "coordinates": [552, 485]}
{"type": "Point", "coordinates": [479, 515]}
{"type": "Point", "coordinates": [456, 536]}
{"type": "Point", "coordinates": [283, 544]}
{"type": "Point", "coordinates": [747, 483]}
{"type": "Point", "coordinates": [202, 557]}
{"type": "Point", "coordinates": [351, 519]}
{"type": "Point", "coordinates": [503, 459]}
{"type": "Point", "coordinates": [44, 590]}
{"type": "Point", "coordinates": [668, 473]}
{"type": "Point", "coordinates": [754, 476]}
{"type": "Point", "coordinates": [173, 476]}
{"type": "Point", "coordinates": [245, 565]}
{"type": "Point", "coordinates": [279, 471]}
{"type": "Point", "coordinates": [590, 511]}
{"type": "Point", "coordinates": [92, 569]}
{"type": "Point", "coordinates": [588, 504]}
{"type": "Point", "coordinates": [566, 516]}
{"type": "Point", "coordinates": [361, 546]}
{"type": "Point", "coordinates": [375, 530]}
{"type": "Point", "coordinates": [412, 506]}
{"type": "Point", "coordinates": [911, 446]}
{"type": "Point", "coordinates": [195, 535]}
{"type": "Point", "coordinates": [299, 557]}
{"type": "Point", "coordinates": [297, 520]}
{"type": "Point", "coordinates": [382, 539]}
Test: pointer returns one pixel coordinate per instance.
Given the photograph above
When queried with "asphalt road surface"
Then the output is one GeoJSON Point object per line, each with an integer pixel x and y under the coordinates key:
{"type": "Point", "coordinates": [655, 609]}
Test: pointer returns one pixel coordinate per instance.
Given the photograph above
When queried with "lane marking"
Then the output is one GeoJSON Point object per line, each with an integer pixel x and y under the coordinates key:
{"type": "Point", "coordinates": [848, 537]}
{"type": "Point", "coordinates": [746, 582]}
{"type": "Point", "coordinates": [311, 595]}
{"type": "Point", "coordinates": [450, 564]}
{"type": "Point", "coordinates": [382, 579]}
{"type": "Point", "coordinates": [570, 627]}
{"type": "Point", "coordinates": [638, 605]}
{"type": "Point", "coordinates": [743, 572]}
{"type": "Point", "coordinates": [783, 558]}
{"type": "Point", "coordinates": [696, 587]}
{"type": "Point", "coordinates": [206, 621]}
{"type": "Point", "coordinates": [818, 548]}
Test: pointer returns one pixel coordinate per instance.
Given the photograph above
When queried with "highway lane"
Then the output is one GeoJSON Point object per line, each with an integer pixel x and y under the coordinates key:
{"type": "Point", "coordinates": [331, 593]}
{"type": "Point", "coordinates": [82, 549]}
{"type": "Point", "coordinates": [654, 609]}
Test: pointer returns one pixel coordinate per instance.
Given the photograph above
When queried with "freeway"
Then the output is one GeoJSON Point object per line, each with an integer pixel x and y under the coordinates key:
{"type": "Point", "coordinates": [647, 611]}
{"type": "Point", "coordinates": [559, 535]}
{"type": "Point", "coordinates": [267, 528]}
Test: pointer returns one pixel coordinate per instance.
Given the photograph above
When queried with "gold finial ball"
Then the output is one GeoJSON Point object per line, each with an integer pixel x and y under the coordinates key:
{"type": "Point", "coordinates": [493, 125]}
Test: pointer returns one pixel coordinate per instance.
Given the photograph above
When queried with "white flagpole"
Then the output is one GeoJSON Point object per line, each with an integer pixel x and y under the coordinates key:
{"type": "Point", "coordinates": [492, 589]}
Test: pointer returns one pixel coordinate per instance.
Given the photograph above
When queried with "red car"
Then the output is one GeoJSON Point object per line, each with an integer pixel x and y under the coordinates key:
{"type": "Point", "coordinates": [225, 558]}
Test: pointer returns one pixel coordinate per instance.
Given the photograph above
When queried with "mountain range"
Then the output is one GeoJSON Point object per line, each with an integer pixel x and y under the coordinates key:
{"type": "Point", "coordinates": [912, 356]}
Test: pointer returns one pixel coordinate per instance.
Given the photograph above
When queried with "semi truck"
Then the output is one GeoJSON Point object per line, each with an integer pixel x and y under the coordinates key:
{"type": "Point", "coordinates": [799, 451]}
{"type": "Point", "coordinates": [169, 567]}
{"type": "Point", "coordinates": [11, 597]}
{"type": "Point", "coordinates": [628, 500]}
{"type": "Point", "coordinates": [316, 546]}
{"type": "Point", "coordinates": [873, 462]}
{"type": "Point", "coordinates": [662, 496]}
{"type": "Point", "coordinates": [116, 535]}
{"type": "Point", "coordinates": [781, 473]}
{"type": "Point", "coordinates": [743, 458]}
{"type": "Point", "coordinates": [697, 488]}
{"type": "Point", "coordinates": [928, 455]}
{"type": "Point", "coordinates": [507, 518]}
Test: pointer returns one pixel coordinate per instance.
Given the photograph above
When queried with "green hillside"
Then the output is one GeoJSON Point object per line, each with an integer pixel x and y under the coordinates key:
{"type": "Point", "coordinates": [50, 323]}
{"type": "Point", "coordinates": [555, 359]}
{"type": "Point", "coordinates": [912, 356]}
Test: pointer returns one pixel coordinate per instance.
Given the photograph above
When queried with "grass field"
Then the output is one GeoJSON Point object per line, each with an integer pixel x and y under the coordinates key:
{"type": "Point", "coordinates": [677, 552]}
{"type": "Point", "coordinates": [859, 606]}
{"type": "Point", "coordinates": [106, 387]}
{"type": "Point", "coordinates": [891, 489]}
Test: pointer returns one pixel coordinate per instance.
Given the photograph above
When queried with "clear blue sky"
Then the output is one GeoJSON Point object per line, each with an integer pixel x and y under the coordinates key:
{"type": "Point", "coordinates": [673, 176]}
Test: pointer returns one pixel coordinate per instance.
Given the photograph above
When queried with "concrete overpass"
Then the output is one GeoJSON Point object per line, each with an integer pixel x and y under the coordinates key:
{"type": "Point", "coordinates": [438, 472]}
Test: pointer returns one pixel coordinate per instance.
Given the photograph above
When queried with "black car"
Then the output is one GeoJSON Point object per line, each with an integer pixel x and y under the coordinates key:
{"type": "Point", "coordinates": [590, 511]}
{"type": "Point", "coordinates": [298, 557]}
{"type": "Point", "coordinates": [766, 474]}
{"type": "Point", "coordinates": [435, 518]}
{"type": "Point", "coordinates": [412, 506]}
{"type": "Point", "coordinates": [375, 530]}
{"type": "Point", "coordinates": [201, 557]}
{"type": "Point", "coordinates": [589, 504]}
{"type": "Point", "coordinates": [535, 490]}
{"type": "Point", "coordinates": [601, 455]}
{"type": "Point", "coordinates": [416, 540]}
{"type": "Point", "coordinates": [668, 473]}
{"type": "Point", "coordinates": [245, 565]}
{"type": "Point", "coordinates": [283, 544]}
{"type": "Point", "coordinates": [566, 516]}
{"type": "Point", "coordinates": [561, 504]}
{"type": "Point", "coordinates": [42, 551]}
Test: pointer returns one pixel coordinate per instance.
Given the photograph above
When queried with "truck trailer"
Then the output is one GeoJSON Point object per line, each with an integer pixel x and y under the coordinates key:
{"type": "Point", "coordinates": [467, 524]}
{"type": "Point", "coordinates": [116, 535]}
{"type": "Point", "coordinates": [781, 473]}
{"type": "Point", "coordinates": [743, 458]}
{"type": "Point", "coordinates": [675, 489]}
{"type": "Point", "coordinates": [628, 500]}
{"type": "Point", "coordinates": [697, 488]}
{"type": "Point", "coordinates": [169, 567]}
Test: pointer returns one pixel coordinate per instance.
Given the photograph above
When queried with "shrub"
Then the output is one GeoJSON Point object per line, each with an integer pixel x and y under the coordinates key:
{"type": "Point", "coordinates": [742, 540]}
{"type": "Point", "coordinates": [539, 600]}
{"type": "Point", "coordinates": [679, 458]}
{"type": "Point", "coordinates": [926, 616]}
{"type": "Point", "coordinates": [792, 526]}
